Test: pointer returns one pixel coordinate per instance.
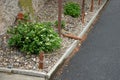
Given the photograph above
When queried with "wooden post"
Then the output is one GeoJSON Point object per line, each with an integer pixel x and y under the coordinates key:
{"type": "Point", "coordinates": [92, 6]}
{"type": "Point", "coordinates": [41, 60]}
{"type": "Point", "coordinates": [99, 2]}
{"type": "Point", "coordinates": [72, 36]}
{"type": "Point", "coordinates": [59, 16]}
{"type": "Point", "coordinates": [83, 11]}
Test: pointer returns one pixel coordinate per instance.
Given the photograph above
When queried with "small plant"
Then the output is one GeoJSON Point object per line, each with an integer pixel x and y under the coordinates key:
{"type": "Point", "coordinates": [22, 18]}
{"type": "Point", "coordinates": [34, 37]}
{"type": "Point", "coordinates": [62, 23]}
{"type": "Point", "coordinates": [72, 9]}
{"type": "Point", "coordinates": [26, 17]}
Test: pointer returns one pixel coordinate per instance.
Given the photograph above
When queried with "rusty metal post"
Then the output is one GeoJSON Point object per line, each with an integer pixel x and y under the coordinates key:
{"type": "Point", "coordinates": [59, 16]}
{"type": "Point", "coordinates": [99, 2]}
{"type": "Point", "coordinates": [41, 60]}
{"type": "Point", "coordinates": [20, 16]}
{"type": "Point", "coordinates": [92, 6]}
{"type": "Point", "coordinates": [83, 11]}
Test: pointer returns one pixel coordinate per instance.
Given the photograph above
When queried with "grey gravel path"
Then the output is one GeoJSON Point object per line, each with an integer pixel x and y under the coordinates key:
{"type": "Point", "coordinates": [99, 56]}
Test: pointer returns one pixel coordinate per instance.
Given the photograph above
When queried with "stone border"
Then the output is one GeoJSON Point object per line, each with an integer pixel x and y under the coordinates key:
{"type": "Point", "coordinates": [46, 76]}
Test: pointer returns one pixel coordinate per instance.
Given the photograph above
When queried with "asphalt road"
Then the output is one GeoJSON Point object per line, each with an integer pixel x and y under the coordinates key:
{"type": "Point", "coordinates": [99, 55]}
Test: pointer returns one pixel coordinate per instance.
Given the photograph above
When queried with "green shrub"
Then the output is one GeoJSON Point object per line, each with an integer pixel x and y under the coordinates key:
{"type": "Point", "coordinates": [62, 24]}
{"type": "Point", "coordinates": [34, 37]}
{"type": "Point", "coordinates": [72, 9]}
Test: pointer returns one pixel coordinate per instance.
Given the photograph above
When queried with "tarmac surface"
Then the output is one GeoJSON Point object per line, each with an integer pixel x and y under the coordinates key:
{"type": "Point", "coordinates": [99, 55]}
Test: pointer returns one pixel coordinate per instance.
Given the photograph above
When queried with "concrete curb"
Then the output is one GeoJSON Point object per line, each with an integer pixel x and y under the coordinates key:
{"type": "Point", "coordinates": [66, 54]}
{"type": "Point", "coordinates": [24, 72]}
{"type": "Point", "coordinates": [91, 21]}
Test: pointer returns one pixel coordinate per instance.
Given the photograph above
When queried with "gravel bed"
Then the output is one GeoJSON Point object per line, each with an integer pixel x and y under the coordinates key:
{"type": "Point", "coordinates": [13, 58]}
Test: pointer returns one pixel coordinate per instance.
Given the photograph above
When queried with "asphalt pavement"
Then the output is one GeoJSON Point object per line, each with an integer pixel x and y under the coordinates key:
{"type": "Point", "coordinates": [99, 55]}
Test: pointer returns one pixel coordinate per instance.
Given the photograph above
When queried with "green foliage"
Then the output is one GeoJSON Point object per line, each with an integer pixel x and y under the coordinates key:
{"type": "Point", "coordinates": [62, 23]}
{"type": "Point", "coordinates": [26, 17]}
{"type": "Point", "coordinates": [34, 37]}
{"type": "Point", "coordinates": [72, 9]}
